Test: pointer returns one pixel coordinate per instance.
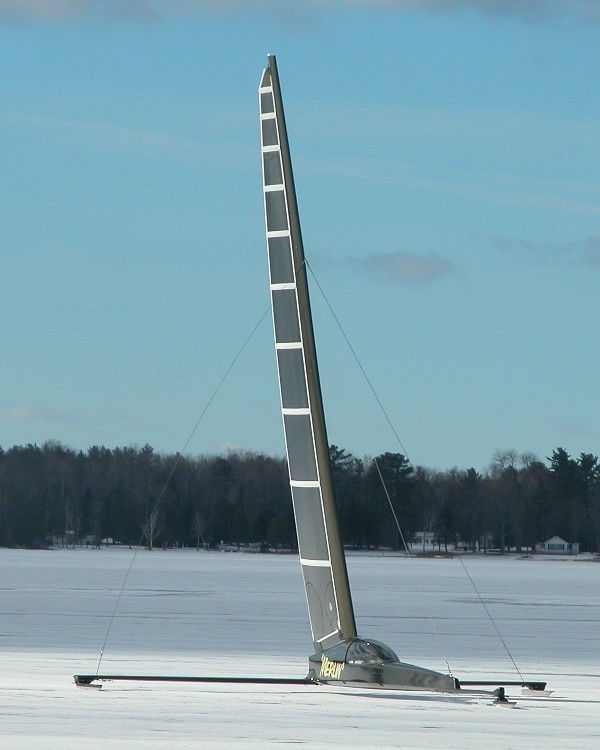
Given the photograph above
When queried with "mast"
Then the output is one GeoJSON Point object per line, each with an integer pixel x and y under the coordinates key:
{"type": "Point", "coordinates": [315, 510]}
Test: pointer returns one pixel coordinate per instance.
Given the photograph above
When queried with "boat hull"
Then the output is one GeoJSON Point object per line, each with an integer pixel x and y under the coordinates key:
{"type": "Point", "coordinates": [397, 676]}
{"type": "Point", "coordinates": [361, 663]}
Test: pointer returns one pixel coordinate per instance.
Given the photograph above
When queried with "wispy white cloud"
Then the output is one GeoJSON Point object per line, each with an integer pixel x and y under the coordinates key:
{"type": "Point", "coordinates": [123, 11]}
{"type": "Point", "coordinates": [527, 9]}
{"type": "Point", "coordinates": [405, 268]}
{"type": "Point", "coordinates": [20, 413]}
{"type": "Point", "coordinates": [468, 138]}
{"type": "Point", "coordinates": [150, 11]}
{"type": "Point", "coordinates": [566, 426]}
{"type": "Point", "coordinates": [101, 134]}
{"type": "Point", "coordinates": [106, 136]}
{"type": "Point", "coordinates": [591, 251]}
{"type": "Point", "coordinates": [585, 251]}
{"type": "Point", "coordinates": [16, 414]}
{"type": "Point", "coordinates": [76, 11]}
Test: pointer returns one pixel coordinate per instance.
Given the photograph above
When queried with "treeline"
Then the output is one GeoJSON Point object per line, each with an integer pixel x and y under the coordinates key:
{"type": "Point", "coordinates": [54, 495]}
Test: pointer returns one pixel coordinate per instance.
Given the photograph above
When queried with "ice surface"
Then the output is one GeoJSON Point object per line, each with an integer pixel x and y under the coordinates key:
{"type": "Point", "coordinates": [198, 613]}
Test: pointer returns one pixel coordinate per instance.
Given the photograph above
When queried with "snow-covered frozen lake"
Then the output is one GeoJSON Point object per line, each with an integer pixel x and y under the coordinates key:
{"type": "Point", "coordinates": [199, 613]}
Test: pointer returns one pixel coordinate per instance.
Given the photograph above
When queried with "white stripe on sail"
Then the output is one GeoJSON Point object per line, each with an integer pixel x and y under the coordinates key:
{"type": "Point", "coordinates": [305, 483]}
{"type": "Point", "coordinates": [315, 563]}
{"type": "Point", "coordinates": [329, 635]}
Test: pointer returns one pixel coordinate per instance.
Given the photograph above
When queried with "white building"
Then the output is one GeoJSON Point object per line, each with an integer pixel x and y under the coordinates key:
{"type": "Point", "coordinates": [557, 546]}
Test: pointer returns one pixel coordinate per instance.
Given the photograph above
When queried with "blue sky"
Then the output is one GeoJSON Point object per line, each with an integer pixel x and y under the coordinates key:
{"type": "Point", "coordinates": [447, 161]}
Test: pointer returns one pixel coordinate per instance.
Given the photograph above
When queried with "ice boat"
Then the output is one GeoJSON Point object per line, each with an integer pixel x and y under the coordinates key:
{"type": "Point", "coordinates": [341, 656]}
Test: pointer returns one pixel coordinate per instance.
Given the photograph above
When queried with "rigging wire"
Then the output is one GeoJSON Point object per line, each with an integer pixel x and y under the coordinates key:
{"type": "Point", "coordinates": [409, 555]}
{"type": "Point", "coordinates": [358, 362]}
{"type": "Point", "coordinates": [483, 604]}
{"type": "Point", "coordinates": [163, 489]}
{"type": "Point", "coordinates": [396, 521]}
{"type": "Point", "coordinates": [398, 440]}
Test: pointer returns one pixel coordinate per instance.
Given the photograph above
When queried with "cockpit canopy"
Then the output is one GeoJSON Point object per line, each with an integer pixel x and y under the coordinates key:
{"type": "Point", "coordinates": [358, 651]}
{"type": "Point", "coordinates": [369, 652]}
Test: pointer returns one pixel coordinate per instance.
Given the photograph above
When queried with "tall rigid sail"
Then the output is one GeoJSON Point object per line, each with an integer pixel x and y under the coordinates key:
{"type": "Point", "coordinates": [321, 553]}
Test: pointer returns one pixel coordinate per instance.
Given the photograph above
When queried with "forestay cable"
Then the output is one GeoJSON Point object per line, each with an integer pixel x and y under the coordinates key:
{"type": "Point", "coordinates": [169, 477]}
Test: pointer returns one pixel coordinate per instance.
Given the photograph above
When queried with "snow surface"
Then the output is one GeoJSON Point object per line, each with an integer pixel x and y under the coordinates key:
{"type": "Point", "coordinates": [199, 613]}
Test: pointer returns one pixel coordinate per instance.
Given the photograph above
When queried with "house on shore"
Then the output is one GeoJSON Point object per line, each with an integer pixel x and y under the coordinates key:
{"type": "Point", "coordinates": [557, 546]}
